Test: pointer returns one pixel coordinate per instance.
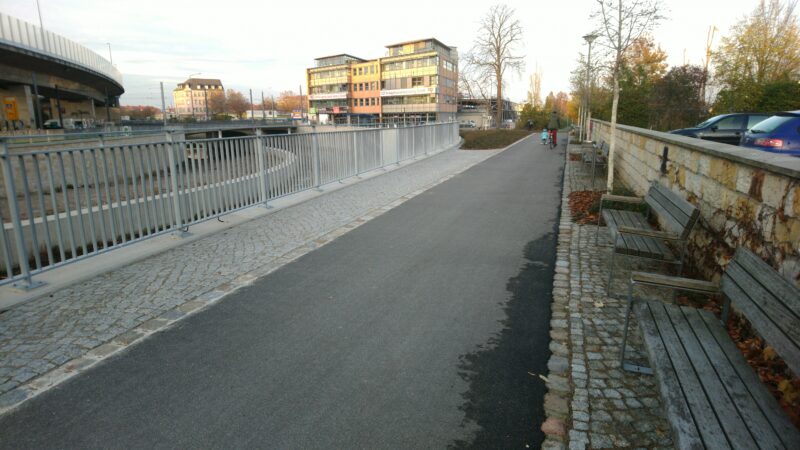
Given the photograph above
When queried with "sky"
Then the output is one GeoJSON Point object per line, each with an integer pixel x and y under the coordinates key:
{"type": "Point", "coordinates": [266, 46]}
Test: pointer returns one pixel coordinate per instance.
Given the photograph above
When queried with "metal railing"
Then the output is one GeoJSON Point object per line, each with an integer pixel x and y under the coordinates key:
{"type": "Point", "coordinates": [18, 33]}
{"type": "Point", "coordinates": [60, 206]}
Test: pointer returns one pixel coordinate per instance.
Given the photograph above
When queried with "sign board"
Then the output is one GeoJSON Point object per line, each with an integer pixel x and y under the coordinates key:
{"type": "Point", "coordinates": [10, 108]}
{"type": "Point", "coordinates": [312, 110]}
{"type": "Point", "coordinates": [328, 96]}
{"type": "Point", "coordinates": [297, 114]}
{"type": "Point", "coordinates": [423, 90]}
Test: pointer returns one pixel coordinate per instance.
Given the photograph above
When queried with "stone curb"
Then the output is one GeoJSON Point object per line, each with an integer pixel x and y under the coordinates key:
{"type": "Point", "coordinates": [36, 386]}
{"type": "Point", "coordinates": [560, 387]}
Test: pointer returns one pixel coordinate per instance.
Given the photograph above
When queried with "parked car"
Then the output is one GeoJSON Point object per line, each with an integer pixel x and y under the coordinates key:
{"type": "Point", "coordinates": [725, 128]}
{"type": "Point", "coordinates": [467, 124]}
{"type": "Point", "coordinates": [52, 124]}
{"type": "Point", "coordinates": [778, 134]}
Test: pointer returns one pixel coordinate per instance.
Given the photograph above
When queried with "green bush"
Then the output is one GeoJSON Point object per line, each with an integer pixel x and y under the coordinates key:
{"type": "Point", "coordinates": [491, 139]}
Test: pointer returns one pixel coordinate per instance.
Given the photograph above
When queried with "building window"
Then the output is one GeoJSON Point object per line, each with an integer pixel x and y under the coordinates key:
{"type": "Point", "coordinates": [374, 85]}
{"type": "Point", "coordinates": [354, 72]}
{"type": "Point", "coordinates": [417, 81]}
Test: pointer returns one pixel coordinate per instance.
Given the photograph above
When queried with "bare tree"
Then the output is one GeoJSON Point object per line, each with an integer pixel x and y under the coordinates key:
{"type": "Point", "coordinates": [535, 92]}
{"type": "Point", "coordinates": [621, 23]}
{"type": "Point", "coordinates": [494, 51]}
{"type": "Point", "coordinates": [236, 103]}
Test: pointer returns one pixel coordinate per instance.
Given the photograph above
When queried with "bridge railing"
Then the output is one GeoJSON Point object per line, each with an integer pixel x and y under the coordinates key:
{"type": "Point", "coordinates": [22, 34]}
{"type": "Point", "coordinates": [61, 206]}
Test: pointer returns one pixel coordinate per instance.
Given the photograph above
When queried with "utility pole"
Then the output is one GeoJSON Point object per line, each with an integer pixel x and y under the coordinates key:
{"type": "Point", "coordinates": [252, 107]}
{"type": "Point", "coordinates": [263, 107]}
{"type": "Point", "coordinates": [205, 96]}
{"type": "Point", "coordinates": [300, 101]}
{"type": "Point", "coordinates": [163, 105]}
{"type": "Point", "coordinates": [41, 26]}
{"type": "Point", "coordinates": [589, 38]}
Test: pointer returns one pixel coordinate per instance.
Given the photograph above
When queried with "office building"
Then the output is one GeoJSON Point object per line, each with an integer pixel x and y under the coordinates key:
{"type": "Point", "coordinates": [195, 98]}
{"type": "Point", "coordinates": [417, 81]}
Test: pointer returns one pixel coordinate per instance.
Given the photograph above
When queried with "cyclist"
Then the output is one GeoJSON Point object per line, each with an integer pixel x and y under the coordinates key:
{"type": "Point", "coordinates": [553, 125]}
{"type": "Point", "coordinates": [544, 136]}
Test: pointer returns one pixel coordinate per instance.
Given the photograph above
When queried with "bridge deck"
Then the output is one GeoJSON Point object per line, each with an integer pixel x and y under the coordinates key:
{"type": "Point", "coordinates": [419, 328]}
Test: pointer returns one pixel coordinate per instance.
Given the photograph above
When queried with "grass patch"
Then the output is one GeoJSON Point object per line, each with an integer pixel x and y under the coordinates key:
{"type": "Point", "coordinates": [491, 139]}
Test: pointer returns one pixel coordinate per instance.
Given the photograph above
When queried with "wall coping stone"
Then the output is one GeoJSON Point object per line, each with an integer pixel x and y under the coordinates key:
{"type": "Point", "coordinates": [773, 162]}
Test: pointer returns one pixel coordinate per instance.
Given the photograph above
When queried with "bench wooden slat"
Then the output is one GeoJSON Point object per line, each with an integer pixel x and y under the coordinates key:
{"type": "Point", "coordinates": [648, 247]}
{"type": "Point", "coordinates": [712, 388]}
{"type": "Point", "coordinates": [710, 429]}
{"type": "Point", "coordinates": [779, 286]}
{"type": "Point", "coordinates": [634, 242]}
{"type": "Point", "coordinates": [687, 436]}
{"type": "Point", "coordinates": [674, 219]}
{"type": "Point", "coordinates": [676, 282]}
{"type": "Point", "coordinates": [687, 208]}
{"type": "Point", "coordinates": [773, 321]}
{"type": "Point", "coordinates": [754, 402]}
{"type": "Point", "coordinates": [635, 245]}
{"type": "Point", "coordinates": [784, 428]}
{"type": "Point", "coordinates": [621, 199]}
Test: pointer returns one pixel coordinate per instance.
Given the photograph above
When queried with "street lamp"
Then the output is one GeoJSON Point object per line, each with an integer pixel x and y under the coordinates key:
{"type": "Point", "coordinates": [589, 38]}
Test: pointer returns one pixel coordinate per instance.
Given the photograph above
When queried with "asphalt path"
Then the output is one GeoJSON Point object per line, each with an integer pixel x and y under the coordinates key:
{"type": "Point", "coordinates": [423, 328]}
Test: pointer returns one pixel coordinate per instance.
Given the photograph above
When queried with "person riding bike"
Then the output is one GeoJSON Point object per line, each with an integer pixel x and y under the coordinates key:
{"type": "Point", "coordinates": [553, 125]}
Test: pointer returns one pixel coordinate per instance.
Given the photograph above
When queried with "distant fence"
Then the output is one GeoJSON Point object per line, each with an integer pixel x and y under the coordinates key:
{"type": "Point", "coordinates": [62, 205]}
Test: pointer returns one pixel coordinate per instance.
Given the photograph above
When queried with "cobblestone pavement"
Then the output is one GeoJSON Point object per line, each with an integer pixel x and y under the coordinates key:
{"type": "Point", "coordinates": [591, 402]}
{"type": "Point", "coordinates": [44, 341]}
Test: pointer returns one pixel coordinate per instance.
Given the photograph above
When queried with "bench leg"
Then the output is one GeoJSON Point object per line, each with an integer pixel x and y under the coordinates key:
{"type": "Point", "coordinates": [625, 365]}
{"type": "Point", "coordinates": [611, 271]}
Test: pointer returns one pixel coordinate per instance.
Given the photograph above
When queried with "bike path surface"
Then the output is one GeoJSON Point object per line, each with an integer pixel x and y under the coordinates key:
{"type": "Point", "coordinates": [423, 328]}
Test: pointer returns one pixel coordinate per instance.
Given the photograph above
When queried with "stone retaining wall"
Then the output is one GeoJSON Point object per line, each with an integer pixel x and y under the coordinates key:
{"type": "Point", "coordinates": [746, 197]}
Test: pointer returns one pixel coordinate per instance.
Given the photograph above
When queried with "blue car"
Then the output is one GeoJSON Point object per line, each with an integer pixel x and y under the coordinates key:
{"type": "Point", "coordinates": [778, 134]}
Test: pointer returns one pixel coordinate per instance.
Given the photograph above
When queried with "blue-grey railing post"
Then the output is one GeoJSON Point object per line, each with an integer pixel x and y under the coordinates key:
{"type": "Point", "coordinates": [315, 162]}
{"type": "Point", "coordinates": [414, 140]}
{"type": "Point", "coordinates": [173, 176]}
{"type": "Point", "coordinates": [381, 132]}
{"type": "Point", "coordinates": [263, 170]}
{"type": "Point", "coordinates": [19, 237]}
{"type": "Point", "coordinates": [355, 151]}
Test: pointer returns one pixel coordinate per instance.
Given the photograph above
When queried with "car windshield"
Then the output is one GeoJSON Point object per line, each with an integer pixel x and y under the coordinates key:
{"type": "Point", "coordinates": [770, 125]}
{"type": "Point", "coordinates": [707, 122]}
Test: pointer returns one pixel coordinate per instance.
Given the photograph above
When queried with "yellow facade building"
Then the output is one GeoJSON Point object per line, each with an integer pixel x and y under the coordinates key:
{"type": "Point", "coordinates": [193, 97]}
{"type": "Point", "coordinates": [416, 82]}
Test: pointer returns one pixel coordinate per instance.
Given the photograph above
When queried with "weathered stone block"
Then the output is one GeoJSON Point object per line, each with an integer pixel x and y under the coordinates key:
{"type": "Point", "coordinates": [774, 190]}
{"type": "Point", "coordinates": [724, 172]}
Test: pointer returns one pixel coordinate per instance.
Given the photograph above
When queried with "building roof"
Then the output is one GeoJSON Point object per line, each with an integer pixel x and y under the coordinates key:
{"type": "Point", "coordinates": [203, 81]}
{"type": "Point", "coordinates": [420, 40]}
{"type": "Point", "coordinates": [340, 54]}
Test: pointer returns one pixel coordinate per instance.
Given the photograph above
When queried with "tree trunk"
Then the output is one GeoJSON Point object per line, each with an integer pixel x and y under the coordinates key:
{"type": "Point", "coordinates": [499, 112]}
{"type": "Point", "coordinates": [613, 138]}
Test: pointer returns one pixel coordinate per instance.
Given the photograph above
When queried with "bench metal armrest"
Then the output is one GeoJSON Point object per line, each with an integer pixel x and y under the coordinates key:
{"type": "Point", "coordinates": [620, 198]}
{"type": "Point", "coordinates": [650, 233]}
{"type": "Point", "coordinates": [675, 283]}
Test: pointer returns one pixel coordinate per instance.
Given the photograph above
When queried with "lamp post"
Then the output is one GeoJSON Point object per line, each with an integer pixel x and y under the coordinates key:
{"type": "Point", "coordinates": [589, 38]}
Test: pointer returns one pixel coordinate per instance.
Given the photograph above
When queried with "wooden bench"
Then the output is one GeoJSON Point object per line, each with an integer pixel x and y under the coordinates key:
{"type": "Point", "coordinates": [632, 235]}
{"type": "Point", "coordinates": [596, 156]}
{"type": "Point", "coordinates": [713, 398]}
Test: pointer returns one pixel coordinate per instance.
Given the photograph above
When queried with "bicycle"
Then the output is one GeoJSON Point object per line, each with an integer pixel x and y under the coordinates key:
{"type": "Point", "coordinates": [550, 142]}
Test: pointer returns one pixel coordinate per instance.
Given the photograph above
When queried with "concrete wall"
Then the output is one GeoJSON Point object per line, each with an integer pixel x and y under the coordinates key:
{"type": "Point", "coordinates": [746, 197]}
